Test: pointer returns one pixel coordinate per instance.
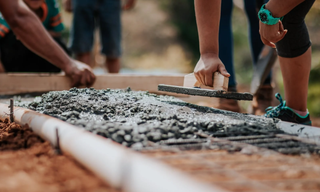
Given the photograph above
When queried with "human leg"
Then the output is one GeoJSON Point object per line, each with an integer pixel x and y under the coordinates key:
{"type": "Point", "coordinates": [226, 40]}
{"type": "Point", "coordinates": [294, 52]}
{"type": "Point", "coordinates": [83, 25]}
{"type": "Point", "coordinates": [113, 64]}
{"type": "Point", "coordinates": [263, 98]}
{"type": "Point", "coordinates": [226, 55]}
{"type": "Point", "coordinates": [256, 44]}
{"type": "Point", "coordinates": [295, 73]}
{"type": "Point", "coordinates": [110, 31]}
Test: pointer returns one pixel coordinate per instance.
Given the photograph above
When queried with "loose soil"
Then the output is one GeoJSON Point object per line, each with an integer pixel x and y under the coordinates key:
{"type": "Point", "coordinates": [29, 164]}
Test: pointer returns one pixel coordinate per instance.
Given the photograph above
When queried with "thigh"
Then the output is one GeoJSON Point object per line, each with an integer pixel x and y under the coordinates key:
{"type": "Point", "coordinates": [226, 7]}
{"type": "Point", "coordinates": [110, 27]}
{"type": "Point", "coordinates": [83, 26]}
{"type": "Point", "coordinates": [297, 40]}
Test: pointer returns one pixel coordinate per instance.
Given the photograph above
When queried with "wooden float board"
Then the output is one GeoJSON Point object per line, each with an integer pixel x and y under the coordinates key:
{"type": "Point", "coordinates": [16, 83]}
{"type": "Point", "coordinates": [205, 92]}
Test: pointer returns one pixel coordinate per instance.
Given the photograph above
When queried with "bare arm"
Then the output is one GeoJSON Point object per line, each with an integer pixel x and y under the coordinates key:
{"type": "Point", "coordinates": [28, 28]}
{"type": "Point", "coordinates": [208, 19]}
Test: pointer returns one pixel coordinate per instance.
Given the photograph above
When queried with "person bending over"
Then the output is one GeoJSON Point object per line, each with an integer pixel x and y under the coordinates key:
{"type": "Point", "coordinates": [16, 57]}
{"type": "Point", "coordinates": [263, 97]}
{"type": "Point", "coordinates": [293, 47]}
{"type": "Point", "coordinates": [29, 30]}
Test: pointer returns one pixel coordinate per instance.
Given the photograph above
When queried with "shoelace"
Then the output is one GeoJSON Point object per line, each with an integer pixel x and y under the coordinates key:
{"type": "Point", "coordinates": [272, 112]}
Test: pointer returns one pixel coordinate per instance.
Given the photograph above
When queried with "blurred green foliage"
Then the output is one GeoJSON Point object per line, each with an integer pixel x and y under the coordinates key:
{"type": "Point", "coordinates": [183, 18]}
{"type": "Point", "coordinates": [314, 91]}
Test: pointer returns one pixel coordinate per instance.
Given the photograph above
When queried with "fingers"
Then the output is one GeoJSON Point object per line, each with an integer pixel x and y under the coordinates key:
{"type": "Point", "coordinates": [91, 78]}
{"type": "Point", "coordinates": [208, 79]}
{"type": "Point", "coordinates": [75, 80]}
{"type": "Point", "coordinates": [204, 77]}
{"type": "Point", "coordinates": [281, 28]}
{"type": "Point", "coordinates": [83, 79]}
{"type": "Point", "coordinates": [199, 77]}
{"type": "Point", "coordinates": [223, 70]}
{"type": "Point", "coordinates": [268, 43]}
{"type": "Point", "coordinates": [282, 35]}
{"type": "Point", "coordinates": [271, 34]}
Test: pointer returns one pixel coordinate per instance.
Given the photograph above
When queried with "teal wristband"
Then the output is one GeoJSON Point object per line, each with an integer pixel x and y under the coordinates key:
{"type": "Point", "coordinates": [266, 17]}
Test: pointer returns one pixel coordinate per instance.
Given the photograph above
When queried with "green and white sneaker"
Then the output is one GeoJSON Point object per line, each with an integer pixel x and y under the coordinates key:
{"type": "Point", "coordinates": [285, 113]}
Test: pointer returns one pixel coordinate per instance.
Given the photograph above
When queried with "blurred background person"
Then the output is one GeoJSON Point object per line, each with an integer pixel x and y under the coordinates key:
{"type": "Point", "coordinates": [15, 57]}
{"type": "Point", "coordinates": [263, 98]}
{"type": "Point", "coordinates": [104, 15]}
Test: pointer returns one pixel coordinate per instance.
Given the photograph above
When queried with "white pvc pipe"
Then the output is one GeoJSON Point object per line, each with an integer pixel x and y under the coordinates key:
{"type": "Point", "coordinates": [116, 165]}
{"type": "Point", "coordinates": [303, 131]}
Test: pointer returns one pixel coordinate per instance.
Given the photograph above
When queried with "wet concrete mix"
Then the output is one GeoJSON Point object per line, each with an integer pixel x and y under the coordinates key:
{"type": "Point", "coordinates": [29, 163]}
{"type": "Point", "coordinates": [137, 119]}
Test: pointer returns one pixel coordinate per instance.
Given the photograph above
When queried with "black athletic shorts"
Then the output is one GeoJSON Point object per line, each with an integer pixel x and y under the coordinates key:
{"type": "Point", "coordinates": [297, 41]}
{"type": "Point", "coordinates": [15, 57]}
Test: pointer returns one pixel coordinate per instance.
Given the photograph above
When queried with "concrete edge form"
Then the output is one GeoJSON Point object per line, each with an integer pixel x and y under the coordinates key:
{"type": "Point", "coordinates": [306, 132]}
{"type": "Point", "coordinates": [116, 165]}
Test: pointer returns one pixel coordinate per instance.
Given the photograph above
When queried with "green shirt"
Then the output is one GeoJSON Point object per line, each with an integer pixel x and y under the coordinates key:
{"type": "Point", "coordinates": [51, 18]}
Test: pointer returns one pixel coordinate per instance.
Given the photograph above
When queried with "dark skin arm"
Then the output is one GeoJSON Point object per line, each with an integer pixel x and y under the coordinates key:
{"type": "Point", "coordinates": [30, 31]}
{"type": "Point", "coordinates": [208, 19]}
{"type": "Point", "coordinates": [271, 34]}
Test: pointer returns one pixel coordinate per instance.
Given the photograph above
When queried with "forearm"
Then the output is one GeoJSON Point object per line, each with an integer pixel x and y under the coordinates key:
{"type": "Point", "coordinates": [281, 8]}
{"type": "Point", "coordinates": [208, 19]}
{"type": "Point", "coordinates": [28, 28]}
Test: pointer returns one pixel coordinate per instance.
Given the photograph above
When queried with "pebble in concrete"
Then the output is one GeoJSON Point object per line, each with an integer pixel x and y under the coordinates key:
{"type": "Point", "coordinates": [137, 118]}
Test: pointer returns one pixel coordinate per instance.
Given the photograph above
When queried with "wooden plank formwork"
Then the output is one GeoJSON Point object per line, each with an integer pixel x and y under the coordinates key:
{"type": "Point", "coordinates": [16, 83]}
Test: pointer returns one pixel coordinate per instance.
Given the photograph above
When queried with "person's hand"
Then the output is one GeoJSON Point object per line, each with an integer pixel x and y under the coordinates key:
{"type": "Point", "coordinates": [80, 74]}
{"type": "Point", "coordinates": [271, 34]}
{"type": "Point", "coordinates": [206, 66]}
{"type": "Point", "coordinates": [67, 4]}
{"type": "Point", "coordinates": [129, 4]}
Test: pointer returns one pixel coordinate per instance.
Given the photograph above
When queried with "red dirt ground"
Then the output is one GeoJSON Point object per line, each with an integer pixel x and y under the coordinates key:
{"type": "Point", "coordinates": [27, 163]}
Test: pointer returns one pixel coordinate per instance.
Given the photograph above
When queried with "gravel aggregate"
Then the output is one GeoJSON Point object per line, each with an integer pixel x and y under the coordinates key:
{"type": "Point", "coordinates": [136, 119]}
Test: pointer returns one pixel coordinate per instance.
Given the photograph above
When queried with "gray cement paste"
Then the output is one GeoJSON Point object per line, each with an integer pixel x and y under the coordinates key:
{"type": "Point", "coordinates": [136, 119]}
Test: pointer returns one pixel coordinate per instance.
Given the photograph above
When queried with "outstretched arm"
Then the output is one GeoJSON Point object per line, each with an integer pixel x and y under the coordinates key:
{"type": "Point", "coordinates": [208, 20]}
{"type": "Point", "coordinates": [28, 28]}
